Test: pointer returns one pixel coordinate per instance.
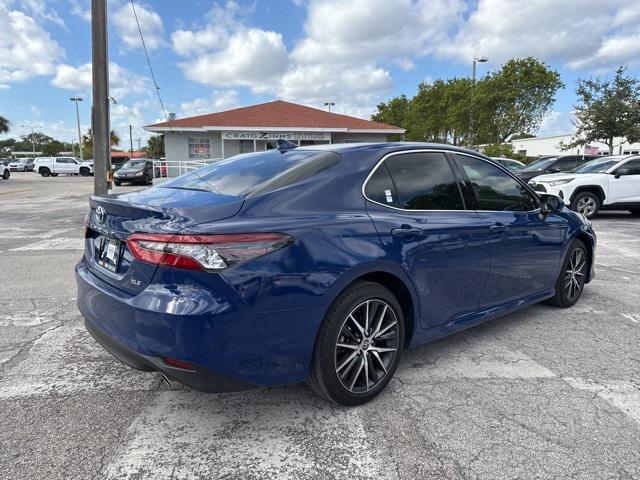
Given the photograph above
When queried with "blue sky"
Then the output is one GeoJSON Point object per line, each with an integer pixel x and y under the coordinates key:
{"type": "Point", "coordinates": [211, 56]}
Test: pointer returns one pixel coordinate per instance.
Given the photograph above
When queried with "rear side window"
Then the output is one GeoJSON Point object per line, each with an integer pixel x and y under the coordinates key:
{"type": "Point", "coordinates": [425, 181]}
{"type": "Point", "coordinates": [256, 173]}
{"type": "Point", "coordinates": [495, 189]}
{"type": "Point", "coordinates": [380, 188]}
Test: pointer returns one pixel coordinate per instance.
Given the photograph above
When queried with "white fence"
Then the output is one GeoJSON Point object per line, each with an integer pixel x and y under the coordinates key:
{"type": "Point", "coordinates": [174, 168]}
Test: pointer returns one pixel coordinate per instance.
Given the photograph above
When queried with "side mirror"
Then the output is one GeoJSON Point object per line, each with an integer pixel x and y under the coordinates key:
{"type": "Point", "coordinates": [622, 171]}
{"type": "Point", "coordinates": [550, 204]}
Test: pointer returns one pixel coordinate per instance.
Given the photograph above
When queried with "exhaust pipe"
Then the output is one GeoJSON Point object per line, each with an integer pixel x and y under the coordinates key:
{"type": "Point", "coordinates": [166, 379]}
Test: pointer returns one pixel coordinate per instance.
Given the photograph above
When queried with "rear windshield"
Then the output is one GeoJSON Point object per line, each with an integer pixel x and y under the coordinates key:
{"type": "Point", "coordinates": [255, 173]}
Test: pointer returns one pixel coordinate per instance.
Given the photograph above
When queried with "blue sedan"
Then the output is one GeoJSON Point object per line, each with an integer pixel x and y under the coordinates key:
{"type": "Point", "coordinates": [321, 264]}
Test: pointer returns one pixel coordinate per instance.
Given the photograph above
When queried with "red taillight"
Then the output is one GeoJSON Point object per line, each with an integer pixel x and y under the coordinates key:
{"type": "Point", "coordinates": [204, 252]}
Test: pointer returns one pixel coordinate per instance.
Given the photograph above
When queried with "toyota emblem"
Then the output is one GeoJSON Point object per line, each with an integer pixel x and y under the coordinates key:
{"type": "Point", "coordinates": [100, 214]}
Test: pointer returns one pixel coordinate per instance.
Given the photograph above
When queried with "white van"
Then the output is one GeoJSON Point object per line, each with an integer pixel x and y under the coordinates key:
{"type": "Point", "coordinates": [54, 166]}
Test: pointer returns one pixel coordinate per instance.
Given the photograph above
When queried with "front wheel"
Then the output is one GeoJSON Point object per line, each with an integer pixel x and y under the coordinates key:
{"type": "Point", "coordinates": [358, 346]}
{"type": "Point", "coordinates": [573, 276]}
{"type": "Point", "coordinates": [6, 174]}
{"type": "Point", "coordinates": [586, 203]}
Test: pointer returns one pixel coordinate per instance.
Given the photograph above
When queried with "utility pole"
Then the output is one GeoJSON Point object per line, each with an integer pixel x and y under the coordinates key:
{"type": "Point", "coordinates": [130, 139]}
{"type": "Point", "coordinates": [78, 99]}
{"type": "Point", "coordinates": [100, 113]}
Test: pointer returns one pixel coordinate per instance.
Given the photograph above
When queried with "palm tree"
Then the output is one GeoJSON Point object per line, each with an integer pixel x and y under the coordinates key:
{"type": "Point", "coordinates": [4, 125]}
{"type": "Point", "coordinates": [87, 142]}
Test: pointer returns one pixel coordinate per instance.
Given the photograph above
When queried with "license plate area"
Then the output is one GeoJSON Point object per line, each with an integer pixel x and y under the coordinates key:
{"type": "Point", "coordinates": [109, 254]}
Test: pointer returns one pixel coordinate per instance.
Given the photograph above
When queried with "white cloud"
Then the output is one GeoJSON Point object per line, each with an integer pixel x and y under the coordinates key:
{"type": "Point", "coordinates": [122, 82]}
{"type": "Point", "coordinates": [81, 8]}
{"type": "Point", "coordinates": [374, 30]}
{"type": "Point", "coordinates": [224, 52]}
{"type": "Point", "coordinates": [220, 100]}
{"type": "Point", "coordinates": [41, 11]}
{"type": "Point", "coordinates": [579, 33]}
{"type": "Point", "coordinates": [150, 23]}
{"type": "Point", "coordinates": [556, 123]}
{"type": "Point", "coordinates": [26, 49]}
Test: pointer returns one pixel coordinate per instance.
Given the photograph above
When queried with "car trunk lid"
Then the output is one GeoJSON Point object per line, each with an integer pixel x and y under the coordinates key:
{"type": "Point", "coordinates": [154, 210]}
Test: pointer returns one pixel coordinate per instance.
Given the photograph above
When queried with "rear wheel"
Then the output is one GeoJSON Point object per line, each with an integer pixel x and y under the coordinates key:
{"type": "Point", "coordinates": [586, 203]}
{"type": "Point", "coordinates": [25, 169]}
{"type": "Point", "coordinates": [84, 172]}
{"type": "Point", "coordinates": [358, 346]}
{"type": "Point", "coordinates": [45, 172]}
{"type": "Point", "coordinates": [6, 174]}
{"type": "Point", "coordinates": [117, 183]}
{"type": "Point", "coordinates": [573, 276]}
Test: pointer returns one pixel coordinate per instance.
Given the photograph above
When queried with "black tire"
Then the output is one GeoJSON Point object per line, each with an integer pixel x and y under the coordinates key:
{"type": "Point", "coordinates": [148, 180]}
{"type": "Point", "coordinates": [568, 293]}
{"type": "Point", "coordinates": [6, 174]}
{"type": "Point", "coordinates": [341, 349]}
{"type": "Point", "coordinates": [635, 212]}
{"type": "Point", "coordinates": [84, 171]}
{"type": "Point", "coordinates": [586, 203]}
{"type": "Point", "coordinates": [117, 183]}
{"type": "Point", "coordinates": [55, 174]}
{"type": "Point", "coordinates": [45, 172]}
{"type": "Point", "coordinates": [25, 169]}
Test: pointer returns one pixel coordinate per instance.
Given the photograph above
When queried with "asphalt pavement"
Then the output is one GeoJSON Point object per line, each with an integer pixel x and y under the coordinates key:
{"type": "Point", "coordinates": [542, 393]}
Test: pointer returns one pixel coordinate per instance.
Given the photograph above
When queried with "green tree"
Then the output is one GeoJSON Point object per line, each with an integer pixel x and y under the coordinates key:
{"type": "Point", "coordinates": [607, 109]}
{"type": "Point", "coordinates": [155, 146]}
{"type": "Point", "coordinates": [514, 100]}
{"type": "Point", "coordinates": [53, 148]}
{"type": "Point", "coordinates": [4, 125]}
{"type": "Point", "coordinates": [396, 113]}
{"type": "Point", "coordinates": [87, 142]}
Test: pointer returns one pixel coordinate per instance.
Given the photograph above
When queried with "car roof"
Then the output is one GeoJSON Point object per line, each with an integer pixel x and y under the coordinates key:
{"type": "Point", "coordinates": [368, 147]}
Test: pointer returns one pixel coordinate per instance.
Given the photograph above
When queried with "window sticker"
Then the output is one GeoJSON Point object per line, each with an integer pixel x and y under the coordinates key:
{"type": "Point", "coordinates": [387, 193]}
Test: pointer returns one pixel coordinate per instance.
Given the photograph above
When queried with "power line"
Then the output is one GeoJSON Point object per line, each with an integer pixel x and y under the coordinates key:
{"type": "Point", "coordinates": [153, 77]}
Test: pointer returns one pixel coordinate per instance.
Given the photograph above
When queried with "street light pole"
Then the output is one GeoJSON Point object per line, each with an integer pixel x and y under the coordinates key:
{"type": "Point", "coordinates": [473, 82]}
{"type": "Point", "coordinates": [76, 100]}
{"type": "Point", "coordinates": [33, 143]}
{"type": "Point", "coordinates": [329, 105]}
{"type": "Point", "coordinates": [100, 113]}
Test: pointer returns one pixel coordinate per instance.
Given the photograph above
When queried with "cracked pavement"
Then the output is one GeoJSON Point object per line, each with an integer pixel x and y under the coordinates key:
{"type": "Point", "coordinates": [543, 393]}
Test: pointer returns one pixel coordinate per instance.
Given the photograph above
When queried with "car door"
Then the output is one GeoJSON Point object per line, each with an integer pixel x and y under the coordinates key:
{"type": "Point", "coordinates": [61, 165]}
{"type": "Point", "coordinates": [625, 188]}
{"type": "Point", "coordinates": [415, 201]}
{"type": "Point", "coordinates": [526, 247]}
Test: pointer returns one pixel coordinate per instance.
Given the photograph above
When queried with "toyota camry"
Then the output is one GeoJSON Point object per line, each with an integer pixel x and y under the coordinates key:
{"type": "Point", "coordinates": [321, 264]}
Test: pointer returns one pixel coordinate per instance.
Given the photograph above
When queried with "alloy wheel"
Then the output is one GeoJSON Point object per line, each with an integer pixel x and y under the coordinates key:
{"type": "Point", "coordinates": [586, 206]}
{"type": "Point", "coordinates": [367, 345]}
{"type": "Point", "coordinates": [574, 275]}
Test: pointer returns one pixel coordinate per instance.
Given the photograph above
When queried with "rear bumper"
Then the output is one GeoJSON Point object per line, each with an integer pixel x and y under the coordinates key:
{"type": "Point", "coordinates": [200, 378]}
{"type": "Point", "coordinates": [232, 344]}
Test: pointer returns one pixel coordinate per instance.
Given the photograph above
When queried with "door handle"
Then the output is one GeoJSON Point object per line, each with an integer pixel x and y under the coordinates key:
{"type": "Point", "coordinates": [498, 228]}
{"type": "Point", "coordinates": [406, 232]}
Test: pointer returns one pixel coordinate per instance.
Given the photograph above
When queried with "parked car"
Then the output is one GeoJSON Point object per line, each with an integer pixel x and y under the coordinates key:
{"type": "Point", "coordinates": [509, 163]}
{"type": "Point", "coordinates": [54, 166]}
{"type": "Point", "coordinates": [320, 263]}
{"type": "Point", "coordinates": [138, 171]}
{"type": "Point", "coordinates": [30, 162]}
{"type": "Point", "coordinates": [4, 172]}
{"type": "Point", "coordinates": [564, 163]}
{"type": "Point", "coordinates": [19, 166]}
{"type": "Point", "coordinates": [607, 183]}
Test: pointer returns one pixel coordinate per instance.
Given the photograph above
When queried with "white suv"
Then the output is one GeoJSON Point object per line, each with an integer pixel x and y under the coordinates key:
{"type": "Point", "coordinates": [54, 166]}
{"type": "Point", "coordinates": [607, 183]}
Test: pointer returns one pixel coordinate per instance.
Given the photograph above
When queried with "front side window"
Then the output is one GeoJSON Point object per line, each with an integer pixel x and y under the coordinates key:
{"type": "Point", "coordinates": [199, 148]}
{"type": "Point", "coordinates": [633, 166]}
{"type": "Point", "coordinates": [424, 181]}
{"type": "Point", "coordinates": [495, 189]}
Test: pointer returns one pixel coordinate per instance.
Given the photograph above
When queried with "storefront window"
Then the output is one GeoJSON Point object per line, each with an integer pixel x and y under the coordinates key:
{"type": "Point", "coordinates": [199, 148]}
{"type": "Point", "coordinates": [246, 146]}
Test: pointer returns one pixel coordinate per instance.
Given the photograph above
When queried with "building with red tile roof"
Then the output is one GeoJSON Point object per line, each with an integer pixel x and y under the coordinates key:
{"type": "Point", "coordinates": [254, 128]}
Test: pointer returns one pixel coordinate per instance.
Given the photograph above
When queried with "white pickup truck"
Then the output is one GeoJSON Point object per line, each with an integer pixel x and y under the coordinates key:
{"type": "Point", "coordinates": [53, 166]}
{"type": "Point", "coordinates": [607, 183]}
